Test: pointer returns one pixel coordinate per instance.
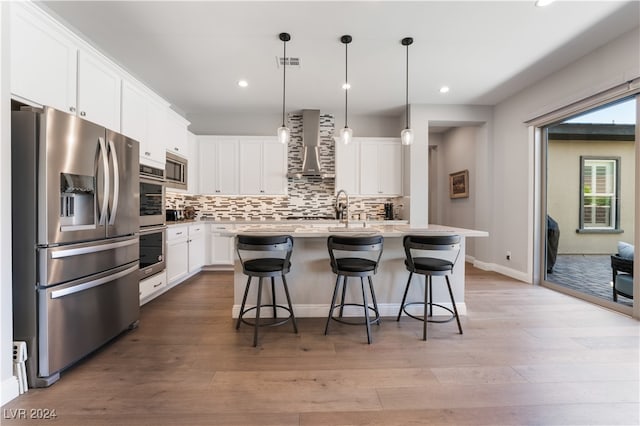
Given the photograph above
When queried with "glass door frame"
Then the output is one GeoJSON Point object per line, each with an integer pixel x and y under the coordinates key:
{"type": "Point", "coordinates": [539, 128]}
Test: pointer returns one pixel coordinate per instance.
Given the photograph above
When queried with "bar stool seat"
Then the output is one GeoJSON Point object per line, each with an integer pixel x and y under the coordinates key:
{"type": "Point", "coordinates": [416, 262]}
{"type": "Point", "coordinates": [347, 265]}
{"type": "Point", "coordinates": [281, 246]}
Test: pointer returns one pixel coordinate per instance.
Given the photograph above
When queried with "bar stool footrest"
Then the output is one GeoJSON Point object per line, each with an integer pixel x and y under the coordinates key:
{"type": "Point", "coordinates": [341, 320]}
{"type": "Point", "coordinates": [264, 322]}
{"type": "Point", "coordinates": [451, 318]}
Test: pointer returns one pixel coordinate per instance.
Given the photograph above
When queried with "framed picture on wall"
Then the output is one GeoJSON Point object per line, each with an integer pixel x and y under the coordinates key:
{"type": "Point", "coordinates": [459, 184]}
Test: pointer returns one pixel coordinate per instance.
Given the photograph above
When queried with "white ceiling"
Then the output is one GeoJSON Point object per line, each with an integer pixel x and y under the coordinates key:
{"type": "Point", "coordinates": [193, 53]}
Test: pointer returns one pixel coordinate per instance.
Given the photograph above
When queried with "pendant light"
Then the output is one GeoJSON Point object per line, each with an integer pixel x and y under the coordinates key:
{"type": "Point", "coordinates": [346, 134]}
{"type": "Point", "coordinates": [406, 136]}
{"type": "Point", "coordinates": [283, 132]}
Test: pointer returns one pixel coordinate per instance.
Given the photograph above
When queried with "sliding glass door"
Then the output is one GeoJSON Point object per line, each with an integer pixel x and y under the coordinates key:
{"type": "Point", "coordinates": [590, 165]}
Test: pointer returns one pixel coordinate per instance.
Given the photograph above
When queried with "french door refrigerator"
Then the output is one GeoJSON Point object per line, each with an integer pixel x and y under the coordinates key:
{"type": "Point", "coordinates": [75, 215]}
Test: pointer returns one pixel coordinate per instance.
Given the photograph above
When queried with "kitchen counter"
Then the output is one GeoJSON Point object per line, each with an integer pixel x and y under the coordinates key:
{"type": "Point", "coordinates": [311, 280]}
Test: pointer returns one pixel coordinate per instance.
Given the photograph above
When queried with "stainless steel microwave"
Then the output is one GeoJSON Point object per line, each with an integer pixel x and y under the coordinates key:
{"type": "Point", "coordinates": [175, 171]}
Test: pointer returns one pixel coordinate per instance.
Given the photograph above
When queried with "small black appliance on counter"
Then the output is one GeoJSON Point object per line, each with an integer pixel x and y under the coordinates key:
{"type": "Point", "coordinates": [174, 215]}
{"type": "Point", "coordinates": [388, 211]}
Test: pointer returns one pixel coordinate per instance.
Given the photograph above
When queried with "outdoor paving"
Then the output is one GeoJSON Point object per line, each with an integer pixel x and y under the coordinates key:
{"type": "Point", "coordinates": [588, 273]}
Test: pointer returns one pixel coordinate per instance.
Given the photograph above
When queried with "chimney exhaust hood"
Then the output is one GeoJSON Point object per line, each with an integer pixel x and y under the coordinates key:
{"type": "Point", "coordinates": [311, 147]}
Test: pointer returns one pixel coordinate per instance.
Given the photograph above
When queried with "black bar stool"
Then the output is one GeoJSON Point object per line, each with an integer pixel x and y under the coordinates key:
{"type": "Point", "coordinates": [429, 267]}
{"type": "Point", "coordinates": [350, 266]}
{"type": "Point", "coordinates": [262, 267]}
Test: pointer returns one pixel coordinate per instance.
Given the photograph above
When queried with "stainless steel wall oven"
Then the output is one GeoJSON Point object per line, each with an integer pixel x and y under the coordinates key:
{"type": "Point", "coordinates": [152, 243]}
{"type": "Point", "coordinates": [152, 187]}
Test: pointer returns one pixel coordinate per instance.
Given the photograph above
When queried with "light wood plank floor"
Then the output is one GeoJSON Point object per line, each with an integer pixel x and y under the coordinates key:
{"type": "Point", "coordinates": [528, 356]}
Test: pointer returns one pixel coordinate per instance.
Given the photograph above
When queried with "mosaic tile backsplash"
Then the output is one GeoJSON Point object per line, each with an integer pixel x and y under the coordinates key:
{"type": "Point", "coordinates": [306, 196]}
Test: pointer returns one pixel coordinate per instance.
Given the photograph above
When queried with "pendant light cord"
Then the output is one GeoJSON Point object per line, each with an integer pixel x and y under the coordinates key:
{"type": "Point", "coordinates": [346, 82]}
{"type": "Point", "coordinates": [407, 90]}
{"type": "Point", "coordinates": [284, 78]}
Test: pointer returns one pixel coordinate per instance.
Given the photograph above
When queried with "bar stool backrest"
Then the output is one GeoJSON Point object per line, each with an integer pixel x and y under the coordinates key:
{"type": "Point", "coordinates": [372, 244]}
{"type": "Point", "coordinates": [265, 243]}
{"type": "Point", "coordinates": [414, 243]}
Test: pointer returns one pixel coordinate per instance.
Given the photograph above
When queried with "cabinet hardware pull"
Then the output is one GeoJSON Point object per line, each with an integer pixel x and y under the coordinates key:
{"type": "Point", "coordinates": [178, 233]}
{"type": "Point", "coordinates": [147, 153]}
{"type": "Point", "coordinates": [72, 109]}
{"type": "Point", "coordinates": [82, 113]}
{"type": "Point", "coordinates": [157, 285]}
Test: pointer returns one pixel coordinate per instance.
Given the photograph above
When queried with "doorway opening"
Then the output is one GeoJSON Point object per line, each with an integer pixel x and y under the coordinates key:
{"type": "Point", "coordinates": [590, 190]}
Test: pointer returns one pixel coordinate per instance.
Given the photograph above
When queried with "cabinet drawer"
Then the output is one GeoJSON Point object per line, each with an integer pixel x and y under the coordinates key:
{"type": "Point", "coordinates": [152, 285]}
{"type": "Point", "coordinates": [177, 233]}
{"type": "Point", "coordinates": [196, 229]}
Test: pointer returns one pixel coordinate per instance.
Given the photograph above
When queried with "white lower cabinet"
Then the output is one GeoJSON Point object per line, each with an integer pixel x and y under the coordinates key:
{"type": "Point", "coordinates": [177, 253]}
{"type": "Point", "coordinates": [197, 247]}
{"type": "Point", "coordinates": [222, 246]}
{"type": "Point", "coordinates": [151, 286]}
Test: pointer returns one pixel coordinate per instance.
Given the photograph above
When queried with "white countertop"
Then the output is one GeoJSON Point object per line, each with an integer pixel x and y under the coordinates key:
{"type": "Point", "coordinates": [324, 228]}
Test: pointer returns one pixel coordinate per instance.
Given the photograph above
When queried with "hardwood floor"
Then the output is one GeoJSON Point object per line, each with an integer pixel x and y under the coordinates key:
{"type": "Point", "coordinates": [528, 356]}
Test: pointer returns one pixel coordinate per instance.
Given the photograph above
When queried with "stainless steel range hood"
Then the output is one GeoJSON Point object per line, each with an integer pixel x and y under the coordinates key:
{"type": "Point", "coordinates": [311, 147]}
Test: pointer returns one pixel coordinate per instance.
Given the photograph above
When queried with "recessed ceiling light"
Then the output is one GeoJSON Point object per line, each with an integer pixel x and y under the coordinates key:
{"type": "Point", "coordinates": [444, 89]}
{"type": "Point", "coordinates": [543, 3]}
{"type": "Point", "coordinates": [346, 86]}
{"type": "Point", "coordinates": [243, 83]}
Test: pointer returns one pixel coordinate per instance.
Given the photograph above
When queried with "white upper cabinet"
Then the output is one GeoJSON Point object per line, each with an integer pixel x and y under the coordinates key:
{"type": "Point", "coordinates": [51, 67]}
{"type": "Point", "coordinates": [263, 166]}
{"type": "Point", "coordinates": [144, 119]}
{"type": "Point", "coordinates": [43, 60]}
{"type": "Point", "coordinates": [347, 167]}
{"type": "Point", "coordinates": [177, 134]}
{"type": "Point", "coordinates": [370, 167]}
{"type": "Point", "coordinates": [218, 164]}
{"type": "Point", "coordinates": [98, 91]}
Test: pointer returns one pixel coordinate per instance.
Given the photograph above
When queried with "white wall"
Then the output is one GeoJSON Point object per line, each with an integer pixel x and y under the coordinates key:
{"type": "Point", "coordinates": [260, 124]}
{"type": "Point", "coordinates": [457, 152]}
{"type": "Point", "coordinates": [8, 384]}
{"type": "Point", "coordinates": [512, 153]}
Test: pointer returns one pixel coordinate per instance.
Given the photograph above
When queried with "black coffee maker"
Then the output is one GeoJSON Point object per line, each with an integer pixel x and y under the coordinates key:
{"type": "Point", "coordinates": [388, 211]}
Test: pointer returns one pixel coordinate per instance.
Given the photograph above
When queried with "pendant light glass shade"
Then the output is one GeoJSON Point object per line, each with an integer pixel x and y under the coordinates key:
{"type": "Point", "coordinates": [284, 133]}
{"type": "Point", "coordinates": [346, 134]}
{"type": "Point", "coordinates": [406, 136]}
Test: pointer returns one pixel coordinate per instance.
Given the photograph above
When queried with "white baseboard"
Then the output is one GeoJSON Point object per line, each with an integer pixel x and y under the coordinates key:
{"type": "Point", "coordinates": [9, 390]}
{"type": "Point", "coordinates": [503, 270]}
{"type": "Point", "coordinates": [321, 311]}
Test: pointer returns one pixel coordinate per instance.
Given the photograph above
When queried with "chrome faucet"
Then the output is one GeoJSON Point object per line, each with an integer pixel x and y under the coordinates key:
{"type": "Point", "coordinates": [342, 210]}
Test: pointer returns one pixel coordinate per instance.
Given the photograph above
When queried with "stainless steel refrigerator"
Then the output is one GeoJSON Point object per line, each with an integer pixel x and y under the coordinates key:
{"type": "Point", "coordinates": [75, 214]}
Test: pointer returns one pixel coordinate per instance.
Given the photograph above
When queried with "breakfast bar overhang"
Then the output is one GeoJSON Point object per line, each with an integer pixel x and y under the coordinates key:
{"type": "Point", "coordinates": [311, 280]}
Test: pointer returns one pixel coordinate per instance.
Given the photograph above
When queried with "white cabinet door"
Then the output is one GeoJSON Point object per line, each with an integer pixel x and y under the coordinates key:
{"type": "Point", "coordinates": [98, 91]}
{"type": "Point", "coordinates": [222, 246]}
{"type": "Point", "coordinates": [176, 130]}
{"type": "Point", "coordinates": [135, 114]}
{"type": "Point", "coordinates": [380, 167]}
{"type": "Point", "coordinates": [143, 119]}
{"type": "Point", "coordinates": [155, 150]}
{"type": "Point", "coordinates": [251, 161]}
{"type": "Point", "coordinates": [263, 166]}
{"type": "Point", "coordinates": [390, 168]}
{"type": "Point", "coordinates": [218, 164]}
{"type": "Point", "coordinates": [197, 248]}
{"type": "Point", "coordinates": [43, 60]}
{"type": "Point", "coordinates": [369, 169]}
{"type": "Point", "coordinates": [274, 172]}
{"type": "Point", "coordinates": [347, 167]}
{"type": "Point", "coordinates": [177, 253]}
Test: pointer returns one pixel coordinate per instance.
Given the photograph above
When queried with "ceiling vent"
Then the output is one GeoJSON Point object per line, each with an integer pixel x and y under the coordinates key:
{"type": "Point", "coordinates": [291, 61]}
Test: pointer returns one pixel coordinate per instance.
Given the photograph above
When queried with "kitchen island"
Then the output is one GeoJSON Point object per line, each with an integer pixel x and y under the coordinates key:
{"type": "Point", "coordinates": [311, 280]}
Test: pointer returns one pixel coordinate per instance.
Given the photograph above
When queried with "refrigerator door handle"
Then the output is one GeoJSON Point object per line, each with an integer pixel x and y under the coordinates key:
{"type": "Point", "coordinates": [59, 254]}
{"type": "Point", "coordinates": [116, 183]}
{"type": "Point", "coordinates": [105, 165]}
{"type": "Point", "coordinates": [93, 283]}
